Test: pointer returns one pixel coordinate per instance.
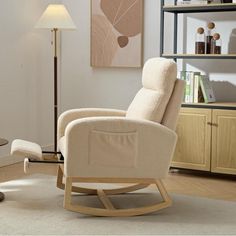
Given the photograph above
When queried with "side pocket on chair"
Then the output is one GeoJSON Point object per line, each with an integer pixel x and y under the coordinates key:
{"type": "Point", "coordinates": [113, 149]}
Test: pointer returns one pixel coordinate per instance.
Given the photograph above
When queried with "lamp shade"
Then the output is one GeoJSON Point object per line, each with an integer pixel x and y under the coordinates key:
{"type": "Point", "coordinates": [55, 16]}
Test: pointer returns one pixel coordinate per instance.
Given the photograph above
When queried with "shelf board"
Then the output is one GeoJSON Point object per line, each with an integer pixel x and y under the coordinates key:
{"type": "Point", "coordinates": [215, 105]}
{"type": "Point", "coordinates": [200, 56]}
{"type": "Point", "coordinates": [200, 8]}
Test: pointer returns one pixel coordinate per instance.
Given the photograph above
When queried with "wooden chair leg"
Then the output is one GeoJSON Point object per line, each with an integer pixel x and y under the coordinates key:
{"type": "Point", "coordinates": [109, 209]}
{"type": "Point", "coordinates": [60, 178]}
{"type": "Point", "coordinates": [163, 192]}
{"type": "Point", "coordinates": [68, 190]}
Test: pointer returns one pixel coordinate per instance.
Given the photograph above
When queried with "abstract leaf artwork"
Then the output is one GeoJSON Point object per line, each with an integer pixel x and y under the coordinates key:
{"type": "Point", "coordinates": [116, 33]}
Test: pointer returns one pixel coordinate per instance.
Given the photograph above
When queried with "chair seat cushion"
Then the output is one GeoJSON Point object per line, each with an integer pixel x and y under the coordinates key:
{"type": "Point", "coordinates": [26, 149]}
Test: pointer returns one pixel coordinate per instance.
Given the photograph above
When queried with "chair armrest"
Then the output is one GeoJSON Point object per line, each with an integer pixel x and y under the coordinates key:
{"type": "Point", "coordinates": [94, 147]}
{"type": "Point", "coordinates": [66, 117]}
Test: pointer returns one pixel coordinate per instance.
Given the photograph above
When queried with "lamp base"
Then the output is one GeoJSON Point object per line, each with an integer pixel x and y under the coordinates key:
{"type": "Point", "coordinates": [2, 196]}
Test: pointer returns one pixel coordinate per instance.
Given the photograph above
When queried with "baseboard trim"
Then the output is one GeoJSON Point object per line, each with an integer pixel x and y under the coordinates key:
{"type": "Point", "coordinates": [10, 160]}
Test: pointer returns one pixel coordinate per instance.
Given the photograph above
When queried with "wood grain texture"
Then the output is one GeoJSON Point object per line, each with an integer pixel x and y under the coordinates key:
{"type": "Point", "coordinates": [109, 209]}
{"type": "Point", "coordinates": [194, 139]}
{"type": "Point", "coordinates": [224, 141]}
{"type": "Point", "coordinates": [105, 200]}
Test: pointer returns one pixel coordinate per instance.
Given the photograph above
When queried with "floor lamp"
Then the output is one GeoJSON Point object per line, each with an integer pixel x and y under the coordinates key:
{"type": "Point", "coordinates": [55, 18]}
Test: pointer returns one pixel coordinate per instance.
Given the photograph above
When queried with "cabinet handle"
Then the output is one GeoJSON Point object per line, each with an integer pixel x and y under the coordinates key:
{"type": "Point", "coordinates": [212, 124]}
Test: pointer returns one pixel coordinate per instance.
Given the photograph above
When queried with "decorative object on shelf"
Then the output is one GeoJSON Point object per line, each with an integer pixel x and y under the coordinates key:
{"type": "Point", "coordinates": [197, 93]}
{"type": "Point", "coordinates": [200, 41]}
{"type": "Point", "coordinates": [116, 33]}
{"type": "Point", "coordinates": [209, 36]}
{"type": "Point", "coordinates": [211, 44]}
{"type": "Point", "coordinates": [207, 89]}
{"type": "Point", "coordinates": [55, 17]}
{"type": "Point", "coordinates": [176, 11]}
{"type": "Point", "coordinates": [216, 44]}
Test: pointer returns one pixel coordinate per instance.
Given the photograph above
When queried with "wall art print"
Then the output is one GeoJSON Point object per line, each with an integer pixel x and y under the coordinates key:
{"type": "Point", "coordinates": [116, 33]}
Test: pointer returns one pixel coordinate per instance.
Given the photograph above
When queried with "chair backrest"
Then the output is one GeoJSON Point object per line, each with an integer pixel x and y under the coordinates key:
{"type": "Point", "coordinates": [160, 98]}
{"type": "Point", "coordinates": [172, 110]}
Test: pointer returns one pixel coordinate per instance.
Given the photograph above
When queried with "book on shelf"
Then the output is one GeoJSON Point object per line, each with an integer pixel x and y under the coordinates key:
{"type": "Point", "coordinates": [194, 86]}
{"type": "Point", "coordinates": [198, 87]}
{"type": "Point", "coordinates": [188, 87]}
{"type": "Point", "coordinates": [184, 75]}
{"type": "Point", "coordinates": [189, 77]}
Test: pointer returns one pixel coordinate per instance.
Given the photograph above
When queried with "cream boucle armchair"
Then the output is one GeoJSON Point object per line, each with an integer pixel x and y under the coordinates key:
{"type": "Point", "coordinates": [113, 146]}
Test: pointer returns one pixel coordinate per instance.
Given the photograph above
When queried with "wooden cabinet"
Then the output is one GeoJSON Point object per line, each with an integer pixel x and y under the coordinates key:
{"type": "Point", "coordinates": [194, 135]}
{"type": "Point", "coordinates": [207, 138]}
{"type": "Point", "coordinates": [224, 141]}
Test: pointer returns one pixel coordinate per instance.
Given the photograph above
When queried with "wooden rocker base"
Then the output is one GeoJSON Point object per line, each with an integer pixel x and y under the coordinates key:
{"type": "Point", "coordinates": [109, 209]}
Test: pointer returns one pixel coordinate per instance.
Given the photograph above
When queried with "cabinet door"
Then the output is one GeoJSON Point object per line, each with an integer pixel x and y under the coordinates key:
{"type": "Point", "coordinates": [224, 141]}
{"type": "Point", "coordinates": [194, 139]}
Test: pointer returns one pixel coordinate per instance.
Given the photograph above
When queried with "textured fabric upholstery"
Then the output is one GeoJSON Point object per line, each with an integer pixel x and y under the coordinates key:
{"type": "Point", "coordinates": [73, 114]}
{"type": "Point", "coordinates": [26, 149]}
{"type": "Point", "coordinates": [117, 147]}
{"type": "Point", "coordinates": [111, 143]}
{"type": "Point", "coordinates": [126, 144]}
{"type": "Point", "coordinates": [159, 76]}
{"type": "Point", "coordinates": [172, 110]}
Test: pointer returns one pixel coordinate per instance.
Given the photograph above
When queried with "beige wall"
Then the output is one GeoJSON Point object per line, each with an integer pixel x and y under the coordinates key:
{"type": "Point", "coordinates": [83, 86]}
{"type": "Point", "coordinates": [26, 69]}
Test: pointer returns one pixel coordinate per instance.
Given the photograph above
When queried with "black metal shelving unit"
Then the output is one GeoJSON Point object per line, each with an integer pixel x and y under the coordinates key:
{"type": "Point", "coordinates": [179, 9]}
{"type": "Point", "coordinates": [182, 9]}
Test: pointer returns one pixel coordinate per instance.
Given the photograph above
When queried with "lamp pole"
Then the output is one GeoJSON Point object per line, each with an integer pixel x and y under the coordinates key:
{"type": "Point", "coordinates": [55, 30]}
{"type": "Point", "coordinates": [55, 17]}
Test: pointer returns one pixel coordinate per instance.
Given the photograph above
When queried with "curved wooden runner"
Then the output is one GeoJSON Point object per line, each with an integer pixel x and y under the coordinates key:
{"type": "Point", "coordinates": [109, 209]}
